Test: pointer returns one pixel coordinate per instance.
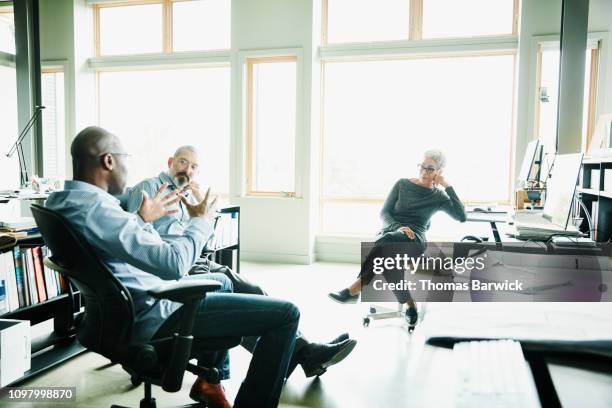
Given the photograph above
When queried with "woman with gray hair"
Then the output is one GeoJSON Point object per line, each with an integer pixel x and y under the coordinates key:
{"type": "Point", "coordinates": [406, 216]}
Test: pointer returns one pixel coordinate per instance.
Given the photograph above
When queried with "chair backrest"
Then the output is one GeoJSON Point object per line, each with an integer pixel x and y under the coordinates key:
{"type": "Point", "coordinates": [106, 327]}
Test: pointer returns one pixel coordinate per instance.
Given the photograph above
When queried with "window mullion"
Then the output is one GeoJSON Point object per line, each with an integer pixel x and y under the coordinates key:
{"type": "Point", "coordinates": [416, 20]}
{"type": "Point", "coordinates": [592, 95]}
{"type": "Point", "coordinates": [167, 30]}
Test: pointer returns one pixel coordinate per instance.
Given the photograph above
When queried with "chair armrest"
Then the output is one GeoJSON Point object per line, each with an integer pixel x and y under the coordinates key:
{"type": "Point", "coordinates": [184, 292]}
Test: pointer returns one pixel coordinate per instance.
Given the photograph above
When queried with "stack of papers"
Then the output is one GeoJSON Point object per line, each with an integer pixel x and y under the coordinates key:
{"type": "Point", "coordinates": [19, 227]}
{"type": "Point", "coordinates": [17, 224]}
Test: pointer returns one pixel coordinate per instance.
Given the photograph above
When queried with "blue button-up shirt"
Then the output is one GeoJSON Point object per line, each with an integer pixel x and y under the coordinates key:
{"type": "Point", "coordinates": [168, 224]}
{"type": "Point", "coordinates": [136, 254]}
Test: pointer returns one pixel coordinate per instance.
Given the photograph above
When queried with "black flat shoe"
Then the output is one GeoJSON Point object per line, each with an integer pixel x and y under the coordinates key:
{"type": "Point", "coordinates": [412, 316]}
{"type": "Point", "coordinates": [343, 296]}
{"type": "Point", "coordinates": [321, 356]}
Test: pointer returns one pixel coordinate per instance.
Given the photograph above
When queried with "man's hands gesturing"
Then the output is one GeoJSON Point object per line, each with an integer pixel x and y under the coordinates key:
{"type": "Point", "coordinates": [202, 209]}
{"type": "Point", "coordinates": [154, 208]}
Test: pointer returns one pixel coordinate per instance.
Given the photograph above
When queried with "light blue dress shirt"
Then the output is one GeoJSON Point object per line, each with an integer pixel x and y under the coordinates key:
{"type": "Point", "coordinates": [136, 254]}
{"type": "Point", "coordinates": [173, 224]}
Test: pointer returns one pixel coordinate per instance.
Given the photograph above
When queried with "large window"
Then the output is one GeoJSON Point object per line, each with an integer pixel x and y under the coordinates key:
{"type": "Point", "coordinates": [54, 122]}
{"type": "Point", "coordinates": [162, 26]}
{"type": "Point", "coordinates": [9, 167]}
{"type": "Point", "coordinates": [7, 29]}
{"type": "Point", "coordinates": [380, 116]}
{"type": "Point", "coordinates": [271, 124]}
{"type": "Point", "coordinates": [154, 111]}
{"type": "Point", "coordinates": [382, 20]}
{"type": "Point", "coordinates": [547, 96]}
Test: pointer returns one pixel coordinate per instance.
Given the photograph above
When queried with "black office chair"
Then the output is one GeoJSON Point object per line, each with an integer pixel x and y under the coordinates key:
{"type": "Point", "coordinates": [106, 327]}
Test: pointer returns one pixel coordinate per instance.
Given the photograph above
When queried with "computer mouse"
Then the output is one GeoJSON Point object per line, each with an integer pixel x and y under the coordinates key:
{"type": "Point", "coordinates": [479, 209]}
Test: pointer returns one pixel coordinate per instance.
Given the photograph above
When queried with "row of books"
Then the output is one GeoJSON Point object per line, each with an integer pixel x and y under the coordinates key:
{"type": "Point", "coordinates": [226, 231]}
{"type": "Point", "coordinates": [25, 280]}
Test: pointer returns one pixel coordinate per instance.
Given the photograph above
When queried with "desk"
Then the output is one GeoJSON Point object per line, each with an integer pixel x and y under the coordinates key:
{"type": "Point", "coordinates": [579, 380]}
{"type": "Point", "coordinates": [491, 218]}
{"type": "Point", "coordinates": [578, 383]}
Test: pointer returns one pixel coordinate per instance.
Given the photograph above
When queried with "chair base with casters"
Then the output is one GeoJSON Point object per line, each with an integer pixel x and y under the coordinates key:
{"type": "Point", "coordinates": [381, 313]}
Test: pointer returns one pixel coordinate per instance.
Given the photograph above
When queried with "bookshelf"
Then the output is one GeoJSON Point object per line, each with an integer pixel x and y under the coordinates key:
{"type": "Point", "coordinates": [224, 246]}
{"type": "Point", "coordinates": [596, 192]}
{"type": "Point", "coordinates": [52, 322]}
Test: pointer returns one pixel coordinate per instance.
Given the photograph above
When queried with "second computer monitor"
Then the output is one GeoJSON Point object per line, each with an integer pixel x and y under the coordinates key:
{"type": "Point", "coordinates": [530, 158]}
{"type": "Point", "coordinates": [560, 188]}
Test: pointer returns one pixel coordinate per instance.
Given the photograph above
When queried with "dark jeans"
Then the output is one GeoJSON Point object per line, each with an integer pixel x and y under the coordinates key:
{"type": "Point", "coordinates": [413, 248]}
{"type": "Point", "coordinates": [274, 322]}
{"type": "Point", "coordinates": [204, 267]}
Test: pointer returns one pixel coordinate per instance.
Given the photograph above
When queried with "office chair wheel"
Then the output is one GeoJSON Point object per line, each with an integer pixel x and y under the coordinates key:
{"type": "Point", "coordinates": [136, 381]}
{"type": "Point", "coordinates": [366, 321]}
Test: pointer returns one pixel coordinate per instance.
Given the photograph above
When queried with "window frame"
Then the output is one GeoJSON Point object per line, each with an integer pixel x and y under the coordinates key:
{"type": "Point", "coordinates": [167, 25]}
{"type": "Point", "coordinates": [323, 199]}
{"type": "Point", "coordinates": [102, 67]}
{"type": "Point", "coordinates": [246, 61]}
{"type": "Point", "coordinates": [57, 66]}
{"type": "Point", "coordinates": [414, 23]}
{"type": "Point", "coordinates": [598, 42]}
{"type": "Point", "coordinates": [428, 48]}
{"type": "Point", "coordinates": [6, 58]}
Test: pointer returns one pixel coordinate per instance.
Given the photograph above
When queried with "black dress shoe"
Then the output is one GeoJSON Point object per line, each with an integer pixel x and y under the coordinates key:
{"type": "Point", "coordinates": [340, 338]}
{"type": "Point", "coordinates": [344, 296]}
{"type": "Point", "coordinates": [294, 359]}
{"type": "Point", "coordinates": [320, 356]}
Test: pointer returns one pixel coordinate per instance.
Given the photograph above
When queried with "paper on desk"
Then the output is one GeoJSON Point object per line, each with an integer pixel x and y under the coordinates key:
{"type": "Point", "coordinates": [560, 326]}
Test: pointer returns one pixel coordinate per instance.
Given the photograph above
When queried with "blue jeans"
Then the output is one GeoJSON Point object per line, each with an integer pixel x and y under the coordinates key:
{"type": "Point", "coordinates": [273, 321]}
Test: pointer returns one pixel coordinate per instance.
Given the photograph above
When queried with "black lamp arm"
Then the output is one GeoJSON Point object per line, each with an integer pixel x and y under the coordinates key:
{"type": "Point", "coordinates": [26, 129]}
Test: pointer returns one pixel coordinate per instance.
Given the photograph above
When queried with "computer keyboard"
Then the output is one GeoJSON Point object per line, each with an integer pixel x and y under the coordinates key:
{"type": "Point", "coordinates": [493, 374]}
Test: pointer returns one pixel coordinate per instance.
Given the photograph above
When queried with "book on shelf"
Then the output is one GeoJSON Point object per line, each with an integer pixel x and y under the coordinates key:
{"type": "Point", "coordinates": [32, 277]}
{"type": "Point", "coordinates": [19, 276]}
{"type": "Point", "coordinates": [3, 291]}
{"type": "Point", "coordinates": [595, 219]}
{"type": "Point", "coordinates": [226, 231]}
{"type": "Point", "coordinates": [38, 273]}
{"type": "Point", "coordinates": [25, 280]}
{"type": "Point", "coordinates": [7, 263]}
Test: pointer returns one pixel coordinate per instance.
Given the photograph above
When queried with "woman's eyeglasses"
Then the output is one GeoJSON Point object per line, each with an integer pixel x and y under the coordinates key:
{"type": "Point", "coordinates": [426, 169]}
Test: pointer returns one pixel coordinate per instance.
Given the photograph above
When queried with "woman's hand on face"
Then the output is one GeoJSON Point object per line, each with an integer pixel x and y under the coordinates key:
{"type": "Point", "coordinates": [439, 179]}
{"type": "Point", "coordinates": [406, 230]}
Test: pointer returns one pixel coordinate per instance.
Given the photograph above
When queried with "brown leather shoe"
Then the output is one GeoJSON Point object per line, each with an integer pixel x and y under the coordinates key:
{"type": "Point", "coordinates": [211, 395]}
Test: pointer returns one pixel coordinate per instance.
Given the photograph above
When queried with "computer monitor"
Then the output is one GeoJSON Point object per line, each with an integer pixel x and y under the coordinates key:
{"type": "Point", "coordinates": [528, 161]}
{"type": "Point", "coordinates": [560, 188]}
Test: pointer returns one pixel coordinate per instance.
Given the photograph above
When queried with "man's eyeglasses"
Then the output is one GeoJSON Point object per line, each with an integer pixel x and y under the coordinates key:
{"type": "Point", "coordinates": [186, 163]}
{"type": "Point", "coordinates": [426, 169]}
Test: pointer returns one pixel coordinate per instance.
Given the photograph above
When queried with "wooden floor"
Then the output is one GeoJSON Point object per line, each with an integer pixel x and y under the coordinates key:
{"type": "Point", "coordinates": [382, 371]}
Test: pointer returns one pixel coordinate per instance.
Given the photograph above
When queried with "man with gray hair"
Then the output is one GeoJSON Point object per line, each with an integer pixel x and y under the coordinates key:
{"type": "Point", "coordinates": [183, 167]}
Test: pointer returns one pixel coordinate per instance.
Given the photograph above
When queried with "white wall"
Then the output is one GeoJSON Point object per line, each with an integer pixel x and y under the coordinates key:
{"type": "Point", "coordinates": [66, 36]}
{"type": "Point", "coordinates": [274, 229]}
